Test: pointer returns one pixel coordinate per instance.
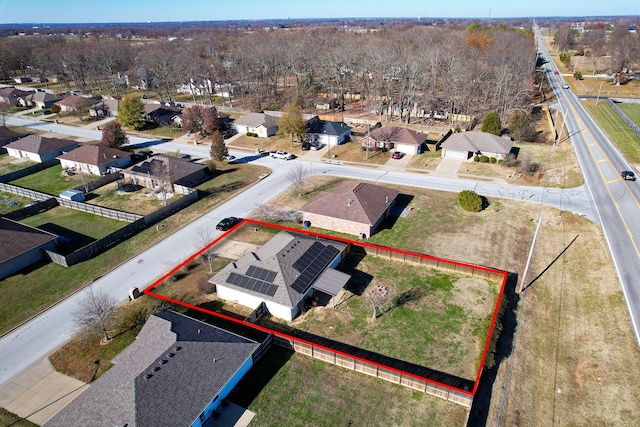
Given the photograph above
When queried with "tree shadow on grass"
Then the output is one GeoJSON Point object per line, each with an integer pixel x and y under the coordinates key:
{"type": "Point", "coordinates": [70, 241]}
{"type": "Point", "coordinates": [479, 412]}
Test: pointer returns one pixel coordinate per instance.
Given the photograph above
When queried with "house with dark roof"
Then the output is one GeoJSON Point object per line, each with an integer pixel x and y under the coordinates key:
{"type": "Point", "coordinates": [352, 207]}
{"type": "Point", "coordinates": [22, 245]}
{"type": "Point", "coordinates": [176, 373]}
{"type": "Point", "coordinates": [259, 123]}
{"type": "Point", "coordinates": [71, 103]}
{"type": "Point", "coordinates": [11, 96]}
{"type": "Point", "coordinates": [283, 273]}
{"type": "Point", "coordinates": [38, 148]}
{"type": "Point", "coordinates": [396, 138]}
{"type": "Point", "coordinates": [319, 132]}
{"type": "Point", "coordinates": [161, 114]}
{"type": "Point", "coordinates": [465, 145]}
{"type": "Point", "coordinates": [7, 136]}
{"type": "Point", "coordinates": [95, 159]}
{"type": "Point", "coordinates": [152, 173]}
{"type": "Point", "coordinates": [39, 99]}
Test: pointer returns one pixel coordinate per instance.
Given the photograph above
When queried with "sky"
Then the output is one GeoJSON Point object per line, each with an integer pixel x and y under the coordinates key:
{"type": "Point", "coordinates": [90, 11]}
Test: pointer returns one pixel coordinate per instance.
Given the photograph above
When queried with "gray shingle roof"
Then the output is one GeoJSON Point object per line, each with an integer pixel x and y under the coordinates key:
{"type": "Point", "coordinates": [256, 119]}
{"type": "Point", "coordinates": [397, 135]}
{"type": "Point", "coordinates": [478, 141]}
{"type": "Point", "coordinates": [326, 127]}
{"type": "Point", "coordinates": [193, 361]}
{"type": "Point", "coordinates": [41, 145]}
{"type": "Point", "coordinates": [278, 255]}
{"type": "Point", "coordinates": [17, 238]}
{"type": "Point", "coordinates": [95, 155]}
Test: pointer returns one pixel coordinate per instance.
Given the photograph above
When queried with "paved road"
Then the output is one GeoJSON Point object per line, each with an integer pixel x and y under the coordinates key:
{"type": "Point", "coordinates": [51, 329]}
{"type": "Point", "coordinates": [616, 201]}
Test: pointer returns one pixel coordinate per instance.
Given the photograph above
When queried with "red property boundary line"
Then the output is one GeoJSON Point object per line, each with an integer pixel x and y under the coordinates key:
{"type": "Point", "coordinates": [149, 291]}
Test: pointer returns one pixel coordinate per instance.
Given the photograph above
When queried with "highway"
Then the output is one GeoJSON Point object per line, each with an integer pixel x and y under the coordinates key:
{"type": "Point", "coordinates": [51, 329]}
{"type": "Point", "coordinates": [615, 200]}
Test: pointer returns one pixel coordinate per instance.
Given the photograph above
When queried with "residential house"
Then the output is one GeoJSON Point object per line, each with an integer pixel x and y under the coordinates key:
{"type": "Point", "coordinates": [465, 145]}
{"type": "Point", "coordinates": [38, 148]}
{"type": "Point", "coordinates": [11, 95]}
{"type": "Point", "coordinates": [324, 132]}
{"type": "Point", "coordinates": [161, 114]}
{"type": "Point", "coordinates": [40, 100]}
{"type": "Point", "coordinates": [7, 136]}
{"type": "Point", "coordinates": [352, 207]}
{"type": "Point", "coordinates": [71, 103]}
{"type": "Point", "coordinates": [177, 372]}
{"type": "Point", "coordinates": [154, 172]}
{"type": "Point", "coordinates": [95, 159]}
{"type": "Point", "coordinates": [396, 138]}
{"type": "Point", "coordinates": [283, 273]}
{"type": "Point", "coordinates": [22, 245]}
{"type": "Point", "coordinates": [225, 119]}
{"type": "Point", "coordinates": [105, 108]}
{"type": "Point", "coordinates": [259, 123]}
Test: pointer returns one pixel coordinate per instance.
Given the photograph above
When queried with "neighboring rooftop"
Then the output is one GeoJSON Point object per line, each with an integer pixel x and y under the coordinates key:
{"type": "Point", "coordinates": [180, 170]}
{"type": "Point", "coordinates": [40, 144]}
{"type": "Point", "coordinates": [95, 155]}
{"type": "Point", "coordinates": [393, 134]}
{"type": "Point", "coordinates": [256, 119]}
{"type": "Point", "coordinates": [353, 201]}
{"type": "Point", "coordinates": [167, 377]}
{"type": "Point", "coordinates": [315, 125]}
{"type": "Point", "coordinates": [17, 238]}
{"type": "Point", "coordinates": [478, 141]}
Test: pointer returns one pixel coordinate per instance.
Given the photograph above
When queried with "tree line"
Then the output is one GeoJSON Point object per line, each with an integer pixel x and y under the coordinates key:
{"type": "Point", "coordinates": [400, 72]}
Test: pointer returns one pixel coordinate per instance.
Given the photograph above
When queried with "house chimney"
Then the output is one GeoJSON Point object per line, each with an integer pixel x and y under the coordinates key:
{"type": "Point", "coordinates": [348, 202]}
{"type": "Point", "coordinates": [386, 199]}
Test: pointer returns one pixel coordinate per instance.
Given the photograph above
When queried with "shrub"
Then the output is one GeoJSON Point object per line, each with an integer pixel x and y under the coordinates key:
{"type": "Point", "coordinates": [484, 159]}
{"type": "Point", "coordinates": [476, 158]}
{"type": "Point", "coordinates": [252, 134]}
{"type": "Point", "coordinates": [55, 108]}
{"type": "Point", "coordinates": [577, 75]}
{"type": "Point", "coordinates": [492, 160]}
{"type": "Point", "coordinates": [470, 201]}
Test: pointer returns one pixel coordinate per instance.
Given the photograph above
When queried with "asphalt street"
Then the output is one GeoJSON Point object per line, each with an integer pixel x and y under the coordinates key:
{"type": "Point", "coordinates": [52, 328]}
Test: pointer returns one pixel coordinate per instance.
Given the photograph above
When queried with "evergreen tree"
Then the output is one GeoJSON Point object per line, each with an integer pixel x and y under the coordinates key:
{"type": "Point", "coordinates": [130, 114]}
{"type": "Point", "coordinates": [492, 123]}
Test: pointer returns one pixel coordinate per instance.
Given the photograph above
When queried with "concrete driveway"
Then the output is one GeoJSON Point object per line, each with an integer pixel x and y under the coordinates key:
{"type": "Point", "coordinates": [39, 392]}
{"type": "Point", "coordinates": [447, 168]}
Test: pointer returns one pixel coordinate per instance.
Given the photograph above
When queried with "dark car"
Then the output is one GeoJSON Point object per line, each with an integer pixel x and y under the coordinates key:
{"type": "Point", "coordinates": [628, 175]}
{"type": "Point", "coordinates": [306, 146]}
{"type": "Point", "coordinates": [397, 155]}
{"type": "Point", "coordinates": [227, 223]}
{"type": "Point", "coordinates": [46, 112]}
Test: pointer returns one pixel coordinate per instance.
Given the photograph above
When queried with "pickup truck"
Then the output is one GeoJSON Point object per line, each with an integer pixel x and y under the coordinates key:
{"type": "Point", "coordinates": [281, 155]}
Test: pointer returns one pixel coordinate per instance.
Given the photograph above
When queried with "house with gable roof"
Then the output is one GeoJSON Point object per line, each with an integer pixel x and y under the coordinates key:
{"type": "Point", "coordinates": [259, 123]}
{"type": "Point", "coordinates": [465, 145]}
{"type": "Point", "coordinates": [39, 99]}
{"type": "Point", "coordinates": [11, 96]}
{"type": "Point", "coordinates": [7, 136]}
{"type": "Point", "coordinates": [176, 373]}
{"type": "Point", "coordinates": [319, 132]}
{"type": "Point", "coordinates": [352, 207]}
{"type": "Point", "coordinates": [71, 103]}
{"type": "Point", "coordinates": [283, 273]}
{"type": "Point", "coordinates": [180, 172]}
{"type": "Point", "coordinates": [38, 148]}
{"type": "Point", "coordinates": [396, 138]}
{"type": "Point", "coordinates": [95, 159]}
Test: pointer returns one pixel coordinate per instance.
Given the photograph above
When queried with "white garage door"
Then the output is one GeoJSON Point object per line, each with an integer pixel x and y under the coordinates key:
{"type": "Point", "coordinates": [405, 148]}
{"type": "Point", "coordinates": [455, 154]}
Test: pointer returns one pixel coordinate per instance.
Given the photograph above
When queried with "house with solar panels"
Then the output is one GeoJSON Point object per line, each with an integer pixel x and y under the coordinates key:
{"type": "Point", "coordinates": [283, 273]}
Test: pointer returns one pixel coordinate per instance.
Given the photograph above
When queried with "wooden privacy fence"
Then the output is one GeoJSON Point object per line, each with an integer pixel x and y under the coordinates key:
{"type": "Point", "coordinates": [99, 210]}
{"type": "Point", "coordinates": [364, 367]}
{"type": "Point", "coordinates": [438, 264]}
{"type": "Point", "coordinates": [28, 170]}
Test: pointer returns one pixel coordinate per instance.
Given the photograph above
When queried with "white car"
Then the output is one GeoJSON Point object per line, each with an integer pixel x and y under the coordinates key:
{"type": "Point", "coordinates": [281, 155]}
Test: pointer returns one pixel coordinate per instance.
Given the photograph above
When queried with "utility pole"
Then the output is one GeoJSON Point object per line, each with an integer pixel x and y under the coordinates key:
{"type": "Point", "coordinates": [598, 97]}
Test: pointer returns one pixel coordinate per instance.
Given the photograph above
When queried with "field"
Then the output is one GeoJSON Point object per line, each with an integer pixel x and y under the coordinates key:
{"type": "Point", "coordinates": [632, 111]}
{"type": "Point", "coordinates": [10, 164]}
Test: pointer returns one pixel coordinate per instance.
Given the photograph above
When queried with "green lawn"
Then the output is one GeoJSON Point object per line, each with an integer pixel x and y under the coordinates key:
{"type": "Point", "coordinates": [9, 419]}
{"type": "Point", "coordinates": [10, 164]}
{"type": "Point", "coordinates": [29, 291]}
{"type": "Point", "coordinates": [286, 389]}
{"type": "Point", "coordinates": [52, 180]}
{"type": "Point", "coordinates": [6, 204]}
{"type": "Point", "coordinates": [632, 111]}
{"type": "Point", "coordinates": [618, 132]}
{"type": "Point", "coordinates": [443, 322]}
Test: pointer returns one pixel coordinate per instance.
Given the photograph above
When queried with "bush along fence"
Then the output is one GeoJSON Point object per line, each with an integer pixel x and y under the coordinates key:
{"type": "Point", "coordinates": [360, 360]}
{"type": "Point", "coordinates": [624, 117]}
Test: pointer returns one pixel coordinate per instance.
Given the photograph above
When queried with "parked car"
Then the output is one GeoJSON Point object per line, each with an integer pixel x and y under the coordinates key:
{"type": "Point", "coordinates": [46, 112]}
{"type": "Point", "coordinates": [306, 146]}
{"type": "Point", "coordinates": [228, 133]}
{"type": "Point", "coordinates": [628, 175]}
{"type": "Point", "coordinates": [565, 86]}
{"type": "Point", "coordinates": [281, 155]}
{"type": "Point", "coordinates": [397, 155]}
{"type": "Point", "coordinates": [230, 157]}
{"type": "Point", "coordinates": [556, 72]}
{"type": "Point", "coordinates": [228, 223]}
{"type": "Point", "coordinates": [144, 154]}
{"type": "Point", "coordinates": [184, 156]}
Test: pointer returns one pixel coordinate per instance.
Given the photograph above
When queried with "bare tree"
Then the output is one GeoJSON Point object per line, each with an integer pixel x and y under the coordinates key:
{"type": "Point", "coordinates": [296, 176]}
{"type": "Point", "coordinates": [380, 297]}
{"type": "Point", "coordinates": [95, 311]}
{"type": "Point", "coordinates": [205, 237]}
{"type": "Point", "coordinates": [162, 174]}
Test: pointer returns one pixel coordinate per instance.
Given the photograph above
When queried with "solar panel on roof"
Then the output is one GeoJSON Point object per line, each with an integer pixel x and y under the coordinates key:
{"type": "Point", "coordinates": [261, 274]}
{"type": "Point", "coordinates": [252, 284]}
{"type": "Point", "coordinates": [308, 256]}
{"type": "Point", "coordinates": [314, 268]}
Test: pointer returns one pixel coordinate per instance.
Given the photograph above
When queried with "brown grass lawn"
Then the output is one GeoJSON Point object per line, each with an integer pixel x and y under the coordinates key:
{"type": "Point", "coordinates": [352, 152]}
{"type": "Point", "coordinates": [141, 201]}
